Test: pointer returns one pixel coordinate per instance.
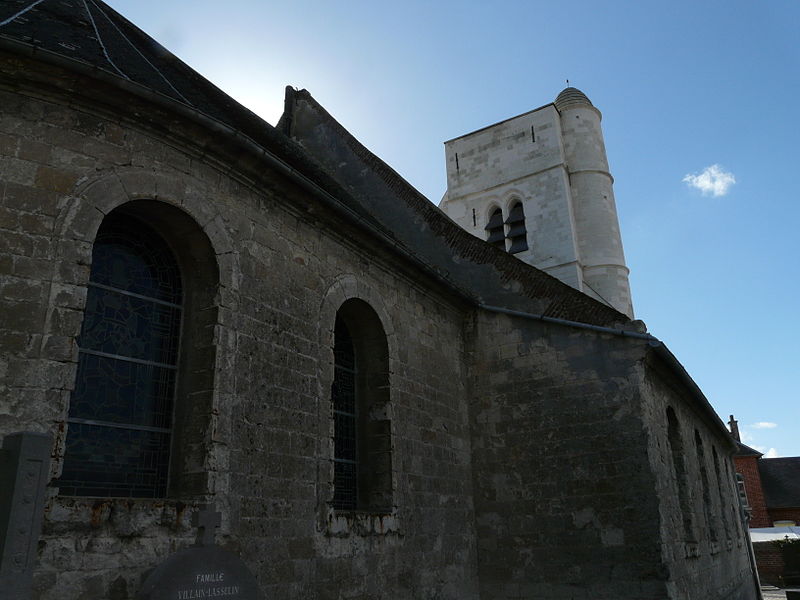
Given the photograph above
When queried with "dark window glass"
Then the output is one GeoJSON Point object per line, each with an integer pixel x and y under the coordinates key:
{"type": "Point", "coordinates": [345, 420]}
{"type": "Point", "coordinates": [360, 394]}
{"type": "Point", "coordinates": [120, 417]}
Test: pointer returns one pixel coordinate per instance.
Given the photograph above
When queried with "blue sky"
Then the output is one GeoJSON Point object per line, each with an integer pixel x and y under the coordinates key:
{"type": "Point", "coordinates": [682, 86]}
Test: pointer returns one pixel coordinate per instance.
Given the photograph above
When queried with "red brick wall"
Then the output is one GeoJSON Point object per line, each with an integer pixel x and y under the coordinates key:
{"type": "Point", "coordinates": [748, 467]}
{"type": "Point", "coordinates": [769, 562]}
{"type": "Point", "coordinates": [784, 514]}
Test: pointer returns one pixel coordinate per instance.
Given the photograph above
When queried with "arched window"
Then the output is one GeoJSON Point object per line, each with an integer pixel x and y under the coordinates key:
{"type": "Point", "coordinates": [721, 490]}
{"type": "Point", "coordinates": [362, 458]}
{"type": "Point", "coordinates": [495, 230]}
{"type": "Point", "coordinates": [345, 419]}
{"type": "Point", "coordinates": [517, 233]}
{"type": "Point", "coordinates": [701, 459]}
{"type": "Point", "coordinates": [121, 411]}
{"type": "Point", "coordinates": [679, 464]}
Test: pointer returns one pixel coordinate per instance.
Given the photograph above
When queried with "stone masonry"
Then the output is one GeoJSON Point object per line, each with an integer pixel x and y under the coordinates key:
{"type": "Point", "coordinates": [541, 444]}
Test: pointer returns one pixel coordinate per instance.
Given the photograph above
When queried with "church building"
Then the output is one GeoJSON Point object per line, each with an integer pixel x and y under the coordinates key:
{"type": "Point", "coordinates": [381, 398]}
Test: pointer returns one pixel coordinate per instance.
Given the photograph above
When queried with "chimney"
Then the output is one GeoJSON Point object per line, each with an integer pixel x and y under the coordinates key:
{"type": "Point", "coordinates": [733, 424]}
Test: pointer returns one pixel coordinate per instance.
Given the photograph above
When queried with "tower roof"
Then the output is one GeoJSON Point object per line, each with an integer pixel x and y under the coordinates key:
{"type": "Point", "coordinates": [571, 97]}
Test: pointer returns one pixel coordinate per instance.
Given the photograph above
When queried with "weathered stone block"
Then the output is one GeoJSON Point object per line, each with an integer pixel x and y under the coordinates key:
{"type": "Point", "coordinates": [18, 171]}
{"type": "Point", "coordinates": [55, 179]}
{"type": "Point", "coordinates": [34, 151]}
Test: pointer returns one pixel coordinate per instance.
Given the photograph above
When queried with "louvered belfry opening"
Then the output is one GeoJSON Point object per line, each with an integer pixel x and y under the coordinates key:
{"type": "Point", "coordinates": [495, 230]}
{"type": "Point", "coordinates": [517, 233]}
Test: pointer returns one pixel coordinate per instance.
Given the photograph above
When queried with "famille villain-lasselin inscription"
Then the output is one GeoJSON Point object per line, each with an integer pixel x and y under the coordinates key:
{"type": "Point", "coordinates": [208, 585]}
{"type": "Point", "coordinates": [203, 571]}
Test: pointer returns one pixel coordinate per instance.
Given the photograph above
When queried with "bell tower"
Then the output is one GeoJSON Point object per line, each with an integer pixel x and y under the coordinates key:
{"type": "Point", "coordinates": [538, 186]}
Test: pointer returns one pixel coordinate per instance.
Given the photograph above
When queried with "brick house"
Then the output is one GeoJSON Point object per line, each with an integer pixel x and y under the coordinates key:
{"type": "Point", "coordinates": [772, 484]}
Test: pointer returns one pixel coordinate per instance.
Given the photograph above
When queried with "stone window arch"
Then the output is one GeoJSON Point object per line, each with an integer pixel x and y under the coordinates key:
{"type": "Point", "coordinates": [705, 486]}
{"type": "Point", "coordinates": [495, 229]}
{"type": "Point", "coordinates": [721, 490]}
{"type": "Point", "coordinates": [676, 447]}
{"type": "Point", "coordinates": [362, 473]}
{"type": "Point", "coordinates": [517, 232]}
{"type": "Point", "coordinates": [145, 348]}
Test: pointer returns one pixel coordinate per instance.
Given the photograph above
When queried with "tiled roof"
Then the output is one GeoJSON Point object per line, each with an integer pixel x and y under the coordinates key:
{"type": "Point", "coordinates": [780, 478]}
{"type": "Point", "coordinates": [93, 33]}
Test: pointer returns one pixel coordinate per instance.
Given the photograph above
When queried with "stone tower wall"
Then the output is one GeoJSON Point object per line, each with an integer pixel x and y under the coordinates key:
{"type": "Point", "coordinates": [495, 166]}
{"type": "Point", "coordinates": [596, 221]}
{"type": "Point", "coordinates": [554, 161]}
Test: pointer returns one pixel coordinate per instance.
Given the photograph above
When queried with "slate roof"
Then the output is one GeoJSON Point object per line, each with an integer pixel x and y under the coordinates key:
{"type": "Point", "coordinates": [780, 479]}
{"type": "Point", "coordinates": [89, 33]}
{"type": "Point", "coordinates": [745, 450]}
{"type": "Point", "coordinates": [92, 34]}
{"type": "Point", "coordinates": [492, 275]}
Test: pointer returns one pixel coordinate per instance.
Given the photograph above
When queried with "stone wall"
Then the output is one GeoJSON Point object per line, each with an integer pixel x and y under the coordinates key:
{"type": "Point", "coordinates": [596, 223]}
{"type": "Point", "coordinates": [529, 456]}
{"type": "Point", "coordinates": [563, 495]}
{"type": "Point", "coordinates": [704, 540]}
{"type": "Point", "coordinates": [769, 559]}
{"type": "Point", "coordinates": [574, 491]}
{"type": "Point", "coordinates": [500, 165]}
{"type": "Point", "coordinates": [261, 415]}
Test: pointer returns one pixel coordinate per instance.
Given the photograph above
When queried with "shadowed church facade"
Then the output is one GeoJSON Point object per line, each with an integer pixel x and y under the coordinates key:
{"type": "Point", "coordinates": [201, 308]}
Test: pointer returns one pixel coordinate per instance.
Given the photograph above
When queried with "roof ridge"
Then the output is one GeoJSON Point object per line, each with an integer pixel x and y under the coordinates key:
{"type": "Point", "coordinates": [535, 283]}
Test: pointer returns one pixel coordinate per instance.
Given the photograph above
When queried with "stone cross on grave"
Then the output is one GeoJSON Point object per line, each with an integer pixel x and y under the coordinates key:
{"type": "Point", "coordinates": [206, 520]}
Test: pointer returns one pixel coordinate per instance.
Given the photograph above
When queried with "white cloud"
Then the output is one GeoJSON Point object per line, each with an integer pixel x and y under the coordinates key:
{"type": "Point", "coordinates": [712, 181]}
{"type": "Point", "coordinates": [764, 425]}
{"type": "Point", "coordinates": [768, 453]}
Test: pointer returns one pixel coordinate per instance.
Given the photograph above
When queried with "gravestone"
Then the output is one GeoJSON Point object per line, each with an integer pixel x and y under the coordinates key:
{"type": "Point", "coordinates": [24, 471]}
{"type": "Point", "coordinates": [204, 571]}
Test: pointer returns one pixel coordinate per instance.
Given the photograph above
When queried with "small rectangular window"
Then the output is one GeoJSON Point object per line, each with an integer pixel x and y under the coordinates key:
{"type": "Point", "coordinates": [456, 161]}
{"type": "Point", "coordinates": [533, 135]}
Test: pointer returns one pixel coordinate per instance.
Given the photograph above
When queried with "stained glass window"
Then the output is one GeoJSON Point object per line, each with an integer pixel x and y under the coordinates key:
{"type": "Point", "coordinates": [120, 416]}
{"type": "Point", "coordinates": [345, 420]}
